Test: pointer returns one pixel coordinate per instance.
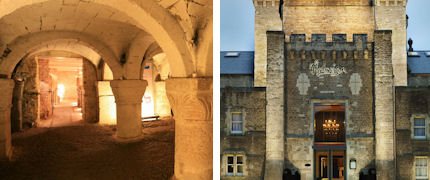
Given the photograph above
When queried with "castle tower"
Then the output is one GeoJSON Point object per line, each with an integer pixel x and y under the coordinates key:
{"type": "Point", "coordinates": [391, 15]}
{"type": "Point", "coordinates": [267, 18]}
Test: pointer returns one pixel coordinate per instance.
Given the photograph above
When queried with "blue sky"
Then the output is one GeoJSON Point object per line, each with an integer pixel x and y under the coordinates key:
{"type": "Point", "coordinates": [237, 24]}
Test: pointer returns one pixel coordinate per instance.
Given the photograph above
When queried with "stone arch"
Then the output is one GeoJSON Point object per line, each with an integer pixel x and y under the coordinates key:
{"type": "Point", "coordinates": [25, 45]}
{"type": "Point", "coordinates": [152, 18]}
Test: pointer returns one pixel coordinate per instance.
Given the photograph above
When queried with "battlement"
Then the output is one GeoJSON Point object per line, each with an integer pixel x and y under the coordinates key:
{"type": "Point", "coordinates": [319, 47]}
{"type": "Point", "coordinates": [266, 3]}
{"type": "Point", "coordinates": [390, 2]}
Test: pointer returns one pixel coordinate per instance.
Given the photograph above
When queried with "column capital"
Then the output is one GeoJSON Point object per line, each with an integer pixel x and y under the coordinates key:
{"type": "Point", "coordinates": [191, 98]}
{"type": "Point", "coordinates": [128, 91]}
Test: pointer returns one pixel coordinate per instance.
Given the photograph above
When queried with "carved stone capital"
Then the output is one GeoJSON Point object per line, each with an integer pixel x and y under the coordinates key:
{"type": "Point", "coordinates": [191, 98]}
{"type": "Point", "coordinates": [128, 91]}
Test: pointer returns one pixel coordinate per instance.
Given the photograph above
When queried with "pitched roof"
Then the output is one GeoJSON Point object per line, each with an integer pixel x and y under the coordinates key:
{"type": "Point", "coordinates": [237, 62]}
{"type": "Point", "coordinates": [419, 62]}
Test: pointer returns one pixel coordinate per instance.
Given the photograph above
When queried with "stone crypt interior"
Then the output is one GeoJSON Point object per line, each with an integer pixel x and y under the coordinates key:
{"type": "Point", "coordinates": [97, 89]}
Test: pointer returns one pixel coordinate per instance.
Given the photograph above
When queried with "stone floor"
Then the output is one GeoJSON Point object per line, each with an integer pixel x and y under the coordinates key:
{"type": "Point", "coordinates": [64, 114]}
{"type": "Point", "coordinates": [89, 151]}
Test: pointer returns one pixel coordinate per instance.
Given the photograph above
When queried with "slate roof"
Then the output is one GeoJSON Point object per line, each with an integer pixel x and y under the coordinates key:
{"type": "Point", "coordinates": [243, 63]}
{"type": "Point", "coordinates": [419, 62]}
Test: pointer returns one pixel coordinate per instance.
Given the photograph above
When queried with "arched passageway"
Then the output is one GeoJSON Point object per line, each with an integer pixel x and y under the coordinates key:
{"type": "Point", "coordinates": [121, 40]}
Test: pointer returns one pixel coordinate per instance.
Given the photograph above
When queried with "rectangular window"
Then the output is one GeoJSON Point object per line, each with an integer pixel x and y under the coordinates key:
{"type": "Point", "coordinates": [329, 122]}
{"type": "Point", "coordinates": [419, 128]}
{"type": "Point", "coordinates": [235, 165]}
{"type": "Point", "coordinates": [421, 168]}
{"type": "Point", "coordinates": [236, 123]}
{"type": "Point", "coordinates": [230, 165]}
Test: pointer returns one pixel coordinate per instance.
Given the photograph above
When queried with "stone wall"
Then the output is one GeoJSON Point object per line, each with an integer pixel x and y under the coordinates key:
{"type": "Point", "coordinates": [28, 71]}
{"type": "Point", "coordinates": [384, 106]}
{"type": "Point", "coordinates": [348, 81]}
{"type": "Point", "coordinates": [251, 102]}
{"type": "Point", "coordinates": [328, 17]}
{"type": "Point", "coordinates": [91, 100]}
{"type": "Point", "coordinates": [236, 80]}
{"type": "Point", "coordinates": [267, 18]}
{"type": "Point", "coordinates": [161, 102]}
{"type": "Point", "coordinates": [409, 102]}
{"type": "Point", "coordinates": [391, 15]}
{"type": "Point", "coordinates": [46, 106]}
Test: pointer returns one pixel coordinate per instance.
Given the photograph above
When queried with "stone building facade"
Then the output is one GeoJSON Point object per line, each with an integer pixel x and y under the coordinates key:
{"type": "Point", "coordinates": [334, 96]}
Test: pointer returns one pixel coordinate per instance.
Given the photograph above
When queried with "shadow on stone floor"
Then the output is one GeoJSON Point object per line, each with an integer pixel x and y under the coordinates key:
{"type": "Point", "coordinates": [90, 152]}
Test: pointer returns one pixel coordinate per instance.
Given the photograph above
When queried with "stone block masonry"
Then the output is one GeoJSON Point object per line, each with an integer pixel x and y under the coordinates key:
{"type": "Point", "coordinates": [275, 97]}
{"type": "Point", "coordinates": [267, 18]}
{"type": "Point", "coordinates": [384, 106]}
{"type": "Point", "coordinates": [392, 15]}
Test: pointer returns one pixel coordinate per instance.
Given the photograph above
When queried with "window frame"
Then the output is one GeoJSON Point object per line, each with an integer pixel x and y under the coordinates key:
{"type": "Point", "coordinates": [241, 122]}
{"type": "Point", "coordinates": [426, 167]}
{"type": "Point", "coordinates": [235, 156]}
{"type": "Point", "coordinates": [426, 126]}
{"type": "Point", "coordinates": [229, 121]}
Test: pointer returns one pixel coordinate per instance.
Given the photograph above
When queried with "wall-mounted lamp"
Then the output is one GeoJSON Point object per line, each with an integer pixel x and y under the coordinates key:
{"type": "Point", "coordinates": [352, 164]}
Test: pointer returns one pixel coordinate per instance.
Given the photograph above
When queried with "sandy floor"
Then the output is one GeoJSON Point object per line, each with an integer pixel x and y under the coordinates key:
{"type": "Point", "coordinates": [88, 151]}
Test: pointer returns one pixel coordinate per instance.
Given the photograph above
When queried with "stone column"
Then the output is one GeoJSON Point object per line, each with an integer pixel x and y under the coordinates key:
{"type": "Point", "coordinates": [384, 106]}
{"type": "Point", "coordinates": [128, 98]}
{"type": "Point", "coordinates": [275, 105]}
{"type": "Point", "coordinates": [6, 89]}
{"type": "Point", "coordinates": [191, 100]}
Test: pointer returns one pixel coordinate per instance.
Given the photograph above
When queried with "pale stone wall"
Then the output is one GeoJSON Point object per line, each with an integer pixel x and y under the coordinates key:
{"type": "Point", "coordinates": [275, 97]}
{"type": "Point", "coordinates": [391, 15]}
{"type": "Point", "coordinates": [162, 106]}
{"type": "Point", "coordinates": [322, 17]}
{"type": "Point", "coordinates": [298, 153]}
{"type": "Point", "coordinates": [384, 106]}
{"type": "Point", "coordinates": [107, 108]}
{"type": "Point", "coordinates": [267, 18]}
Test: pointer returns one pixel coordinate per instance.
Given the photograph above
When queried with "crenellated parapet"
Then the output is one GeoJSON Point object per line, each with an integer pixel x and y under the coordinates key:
{"type": "Point", "coordinates": [319, 48]}
{"type": "Point", "coordinates": [266, 3]}
{"type": "Point", "coordinates": [390, 2]}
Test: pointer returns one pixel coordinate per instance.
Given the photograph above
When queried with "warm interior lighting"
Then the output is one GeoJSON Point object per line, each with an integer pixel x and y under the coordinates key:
{"type": "Point", "coordinates": [60, 91]}
{"type": "Point", "coordinates": [330, 127]}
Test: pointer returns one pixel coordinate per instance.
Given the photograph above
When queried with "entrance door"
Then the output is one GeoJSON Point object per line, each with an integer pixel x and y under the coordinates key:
{"type": "Point", "coordinates": [330, 165]}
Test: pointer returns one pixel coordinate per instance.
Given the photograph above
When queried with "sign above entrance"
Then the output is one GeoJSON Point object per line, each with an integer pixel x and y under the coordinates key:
{"type": "Point", "coordinates": [322, 70]}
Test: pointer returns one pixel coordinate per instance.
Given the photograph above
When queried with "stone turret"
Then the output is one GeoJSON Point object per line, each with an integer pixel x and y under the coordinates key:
{"type": "Point", "coordinates": [391, 15]}
{"type": "Point", "coordinates": [267, 18]}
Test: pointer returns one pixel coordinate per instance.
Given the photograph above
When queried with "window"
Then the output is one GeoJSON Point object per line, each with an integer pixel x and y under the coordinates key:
{"type": "Point", "coordinates": [421, 168]}
{"type": "Point", "coordinates": [235, 165]}
{"type": "Point", "coordinates": [236, 123]}
{"type": "Point", "coordinates": [419, 128]}
{"type": "Point", "coordinates": [329, 122]}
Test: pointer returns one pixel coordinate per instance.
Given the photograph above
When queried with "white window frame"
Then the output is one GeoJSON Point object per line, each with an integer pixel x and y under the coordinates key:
{"type": "Point", "coordinates": [229, 120]}
{"type": "Point", "coordinates": [235, 165]}
{"type": "Point", "coordinates": [426, 128]}
{"type": "Point", "coordinates": [240, 122]}
{"type": "Point", "coordinates": [424, 167]}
